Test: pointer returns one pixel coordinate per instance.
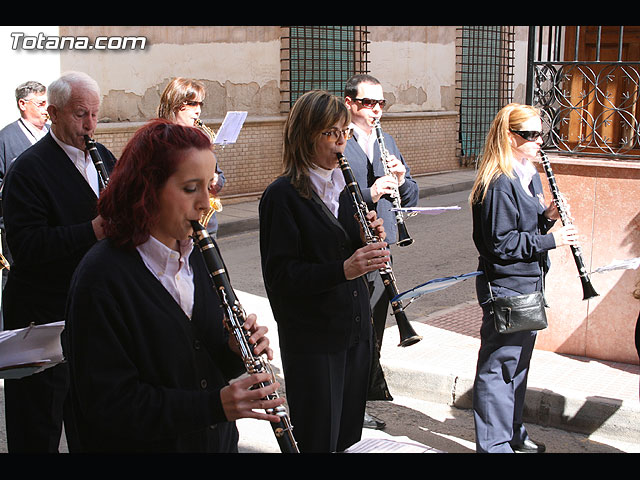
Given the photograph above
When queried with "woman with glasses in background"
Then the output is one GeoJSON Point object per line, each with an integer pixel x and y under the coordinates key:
{"type": "Point", "coordinates": [313, 264]}
{"type": "Point", "coordinates": [181, 102]}
{"type": "Point", "coordinates": [511, 223]}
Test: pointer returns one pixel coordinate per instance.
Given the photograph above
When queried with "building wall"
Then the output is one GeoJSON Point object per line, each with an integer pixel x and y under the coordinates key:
{"type": "Point", "coordinates": [240, 67]}
{"type": "Point", "coordinates": [604, 196]}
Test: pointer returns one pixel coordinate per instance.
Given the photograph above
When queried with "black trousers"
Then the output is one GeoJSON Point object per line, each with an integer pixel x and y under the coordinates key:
{"type": "Point", "coordinates": [36, 407]}
{"type": "Point", "coordinates": [326, 394]}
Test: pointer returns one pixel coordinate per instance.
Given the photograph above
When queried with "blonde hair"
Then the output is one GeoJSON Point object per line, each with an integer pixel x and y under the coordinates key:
{"type": "Point", "coordinates": [313, 113]}
{"type": "Point", "coordinates": [497, 157]}
{"type": "Point", "coordinates": [178, 91]}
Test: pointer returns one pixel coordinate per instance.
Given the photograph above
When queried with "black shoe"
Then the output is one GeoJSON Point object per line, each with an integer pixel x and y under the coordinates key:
{"type": "Point", "coordinates": [373, 423]}
{"type": "Point", "coordinates": [529, 446]}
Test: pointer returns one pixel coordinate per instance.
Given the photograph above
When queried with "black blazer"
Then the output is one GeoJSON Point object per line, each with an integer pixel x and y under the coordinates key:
{"type": "Point", "coordinates": [366, 174]}
{"type": "Point", "coordinates": [48, 207]}
{"type": "Point", "coordinates": [303, 248]}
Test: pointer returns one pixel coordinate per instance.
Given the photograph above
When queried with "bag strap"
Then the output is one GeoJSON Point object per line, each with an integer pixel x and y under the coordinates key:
{"type": "Point", "coordinates": [486, 274]}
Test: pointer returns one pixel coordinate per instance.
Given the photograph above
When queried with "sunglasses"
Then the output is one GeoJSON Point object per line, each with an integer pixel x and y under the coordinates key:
{"type": "Point", "coordinates": [528, 135]}
{"type": "Point", "coordinates": [371, 102]}
{"type": "Point", "coordinates": [193, 103]}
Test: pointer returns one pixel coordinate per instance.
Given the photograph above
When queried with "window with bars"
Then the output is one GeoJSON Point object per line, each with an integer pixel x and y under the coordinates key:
{"type": "Point", "coordinates": [321, 57]}
{"type": "Point", "coordinates": [485, 62]}
{"type": "Point", "coordinates": [586, 82]}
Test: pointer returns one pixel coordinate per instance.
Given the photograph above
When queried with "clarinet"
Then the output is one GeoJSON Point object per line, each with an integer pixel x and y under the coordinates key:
{"type": "Point", "coordinates": [587, 289]}
{"type": "Point", "coordinates": [103, 176]}
{"type": "Point", "coordinates": [407, 335]}
{"type": "Point", "coordinates": [234, 318]}
{"type": "Point", "coordinates": [404, 239]}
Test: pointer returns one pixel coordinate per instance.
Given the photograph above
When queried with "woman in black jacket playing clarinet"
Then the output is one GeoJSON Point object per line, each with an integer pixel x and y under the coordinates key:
{"type": "Point", "coordinates": [313, 264]}
{"type": "Point", "coordinates": [149, 356]}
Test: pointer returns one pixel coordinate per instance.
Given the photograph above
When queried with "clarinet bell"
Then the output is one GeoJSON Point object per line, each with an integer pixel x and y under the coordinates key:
{"type": "Point", "coordinates": [404, 239]}
{"type": "Point", "coordinates": [408, 335]}
{"type": "Point", "coordinates": [588, 290]}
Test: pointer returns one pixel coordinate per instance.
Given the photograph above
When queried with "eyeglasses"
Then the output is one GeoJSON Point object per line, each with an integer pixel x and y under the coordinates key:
{"type": "Point", "coordinates": [193, 103]}
{"type": "Point", "coordinates": [371, 102]}
{"type": "Point", "coordinates": [40, 104]}
{"type": "Point", "coordinates": [528, 135]}
{"type": "Point", "coordinates": [334, 134]}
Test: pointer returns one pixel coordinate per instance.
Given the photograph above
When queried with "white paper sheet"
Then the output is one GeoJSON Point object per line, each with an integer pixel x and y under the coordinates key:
{"type": "Point", "coordinates": [230, 128]}
{"type": "Point", "coordinates": [390, 445]}
{"type": "Point", "coordinates": [29, 350]}
{"type": "Point", "coordinates": [424, 210]}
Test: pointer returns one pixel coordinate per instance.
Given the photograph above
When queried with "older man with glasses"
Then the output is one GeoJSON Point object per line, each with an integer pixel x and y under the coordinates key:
{"type": "Point", "coordinates": [17, 136]}
{"type": "Point", "coordinates": [365, 99]}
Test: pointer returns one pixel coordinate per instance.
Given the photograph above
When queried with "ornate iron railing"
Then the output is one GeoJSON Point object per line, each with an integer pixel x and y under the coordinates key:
{"type": "Point", "coordinates": [586, 82]}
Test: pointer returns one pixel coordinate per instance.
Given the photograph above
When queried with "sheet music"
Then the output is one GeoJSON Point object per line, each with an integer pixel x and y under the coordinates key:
{"type": "Point", "coordinates": [29, 350]}
{"type": "Point", "coordinates": [425, 210]}
{"type": "Point", "coordinates": [630, 264]}
{"type": "Point", "coordinates": [230, 128]}
{"type": "Point", "coordinates": [433, 286]}
{"type": "Point", "coordinates": [390, 445]}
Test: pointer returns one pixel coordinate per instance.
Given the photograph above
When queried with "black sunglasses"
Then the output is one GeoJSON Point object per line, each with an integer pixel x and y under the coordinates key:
{"type": "Point", "coordinates": [371, 102]}
{"type": "Point", "coordinates": [528, 135]}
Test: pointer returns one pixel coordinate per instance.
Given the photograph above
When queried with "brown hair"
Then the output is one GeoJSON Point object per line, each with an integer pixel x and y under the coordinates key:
{"type": "Point", "coordinates": [313, 113]}
{"type": "Point", "coordinates": [178, 91]}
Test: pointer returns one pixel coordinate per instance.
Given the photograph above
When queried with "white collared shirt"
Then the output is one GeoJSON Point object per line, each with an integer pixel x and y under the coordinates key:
{"type": "Point", "coordinates": [82, 162]}
{"type": "Point", "coordinates": [366, 141]}
{"type": "Point", "coordinates": [525, 171]}
{"type": "Point", "coordinates": [172, 269]}
{"type": "Point", "coordinates": [31, 132]}
{"type": "Point", "coordinates": [328, 184]}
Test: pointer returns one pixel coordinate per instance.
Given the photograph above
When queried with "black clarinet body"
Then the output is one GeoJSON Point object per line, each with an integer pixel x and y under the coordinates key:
{"type": "Point", "coordinates": [587, 289]}
{"type": "Point", "coordinates": [408, 336]}
{"type": "Point", "coordinates": [103, 175]}
{"type": "Point", "coordinates": [235, 317]}
{"type": "Point", "coordinates": [404, 239]}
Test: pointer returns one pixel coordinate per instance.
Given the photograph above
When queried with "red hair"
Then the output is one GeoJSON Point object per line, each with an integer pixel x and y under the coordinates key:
{"type": "Point", "coordinates": [129, 204]}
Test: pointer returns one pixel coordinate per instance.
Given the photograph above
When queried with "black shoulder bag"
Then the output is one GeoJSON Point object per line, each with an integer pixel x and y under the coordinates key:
{"type": "Point", "coordinates": [521, 312]}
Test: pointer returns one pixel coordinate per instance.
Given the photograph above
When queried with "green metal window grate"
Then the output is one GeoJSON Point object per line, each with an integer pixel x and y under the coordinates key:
{"type": "Point", "coordinates": [321, 57]}
{"type": "Point", "coordinates": [485, 82]}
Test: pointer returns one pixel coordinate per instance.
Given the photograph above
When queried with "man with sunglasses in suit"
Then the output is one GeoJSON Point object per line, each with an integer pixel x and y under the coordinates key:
{"type": "Point", "coordinates": [365, 99]}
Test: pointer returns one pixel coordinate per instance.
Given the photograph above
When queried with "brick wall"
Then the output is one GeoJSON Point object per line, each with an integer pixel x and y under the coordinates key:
{"type": "Point", "coordinates": [427, 141]}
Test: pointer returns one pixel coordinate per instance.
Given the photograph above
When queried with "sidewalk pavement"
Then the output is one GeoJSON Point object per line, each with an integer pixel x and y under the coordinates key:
{"type": "Point", "coordinates": [573, 393]}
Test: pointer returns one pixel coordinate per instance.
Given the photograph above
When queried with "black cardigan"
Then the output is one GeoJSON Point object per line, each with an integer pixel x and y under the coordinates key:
{"type": "Point", "coordinates": [143, 376]}
{"type": "Point", "coordinates": [303, 249]}
{"type": "Point", "coordinates": [48, 207]}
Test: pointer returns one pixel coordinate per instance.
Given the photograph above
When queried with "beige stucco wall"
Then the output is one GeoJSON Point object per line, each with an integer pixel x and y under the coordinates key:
{"type": "Point", "coordinates": [240, 67]}
{"type": "Point", "coordinates": [416, 66]}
